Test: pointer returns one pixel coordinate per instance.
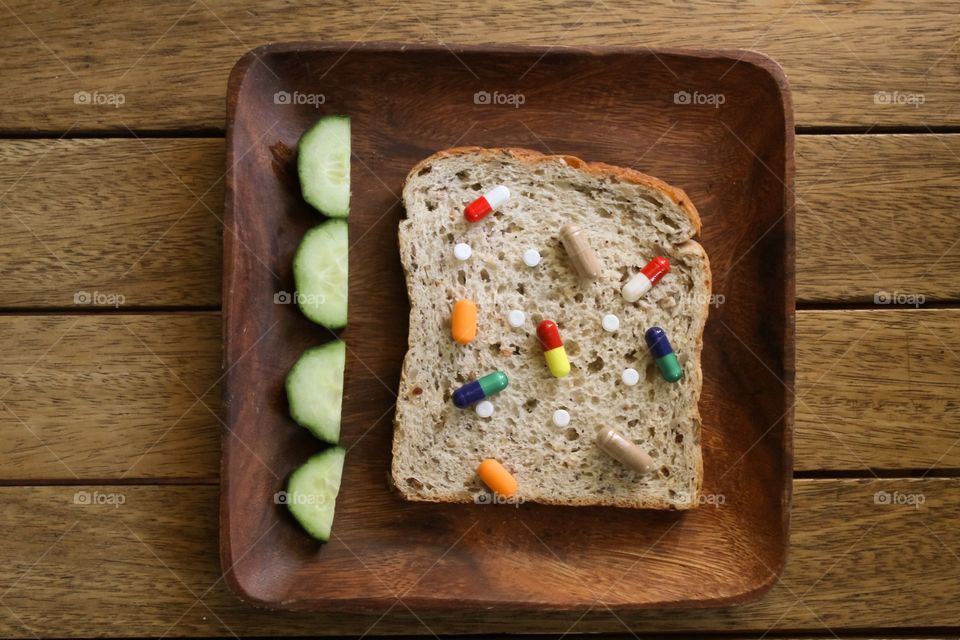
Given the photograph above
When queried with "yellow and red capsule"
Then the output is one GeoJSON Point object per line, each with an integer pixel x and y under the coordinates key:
{"type": "Point", "coordinates": [553, 351]}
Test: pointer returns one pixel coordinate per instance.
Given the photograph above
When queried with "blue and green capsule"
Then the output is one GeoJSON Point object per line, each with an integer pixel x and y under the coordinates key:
{"type": "Point", "coordinates": [476, 390]}
{"type": "Point", "coordinates": [663, 353]}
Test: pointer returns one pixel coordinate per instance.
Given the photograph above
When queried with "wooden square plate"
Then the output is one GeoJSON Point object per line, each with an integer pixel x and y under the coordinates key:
{"type": "Point", "coordinates": [717, 124]}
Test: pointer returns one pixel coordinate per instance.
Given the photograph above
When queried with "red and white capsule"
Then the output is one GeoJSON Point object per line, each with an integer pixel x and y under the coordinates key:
{"type": "Point", "coordinates": [485, 204]}
{"type": "Point", "coordinates": [649, 276]}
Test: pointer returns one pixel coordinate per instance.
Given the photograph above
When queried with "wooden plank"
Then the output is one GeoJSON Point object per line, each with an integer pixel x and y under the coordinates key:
{"type": "Point", "coordinates": [111, 222]}
{"type": "Point", "coordinates": [169, 61]}
{"type": "Point", "coordinates": [865, 554]}
{"type": "Point", "coordinates": [878, 389]}
{"type": "Point", "coordinates": [143, 236]}
{"type": "Point", "coordinates": [83, 395]}
{"type": "Point", "coordinates": [97, 396]}
{"type": "Point", "coordinates": [876, 216]}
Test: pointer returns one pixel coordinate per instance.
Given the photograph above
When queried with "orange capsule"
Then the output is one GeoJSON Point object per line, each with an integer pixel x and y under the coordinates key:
{"type": "Point", "coordinates": [463, 321]}
{"type": "Point", "coordinates": [495, 476]}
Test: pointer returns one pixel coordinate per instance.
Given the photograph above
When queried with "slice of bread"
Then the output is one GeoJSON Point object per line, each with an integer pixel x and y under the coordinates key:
{"type": "Point", "coordinates": [629, 218]}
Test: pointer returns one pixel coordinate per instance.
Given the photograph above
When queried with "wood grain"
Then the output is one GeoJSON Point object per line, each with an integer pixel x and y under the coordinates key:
{"type": "Point", "coordinates": [137, 568]}
{"type": "Point", "coordinates": [878, 389]}
{"type": "Point", "coordinates": [97, 396]}
{"type": "Point", "coordinates": [110, 223]}
{"type": "Point", "coordinates": [877, 214]}
{"type": "Point", "coordinates": [170, 60]}
{"type": "Point", "coordinates": [845, 184]}
{"type": "Point", "coordinates": [99, 399]}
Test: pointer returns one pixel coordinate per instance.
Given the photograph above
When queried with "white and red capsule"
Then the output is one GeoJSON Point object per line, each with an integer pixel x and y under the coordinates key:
{"type": "Point", "coordinates": [487, 203]}
{"type": "Point", "coordinates": [649, 276]}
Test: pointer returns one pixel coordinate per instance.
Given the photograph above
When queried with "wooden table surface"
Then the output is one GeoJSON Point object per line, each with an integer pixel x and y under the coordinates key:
{"type": "Point", "coordinates": [110, 327]}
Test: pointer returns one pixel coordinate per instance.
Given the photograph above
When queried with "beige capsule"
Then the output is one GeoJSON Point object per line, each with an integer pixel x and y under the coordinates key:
{"type": "Point", "coordinates": [619, 448]}
{"type": "Point", "coordinates": [578, 248]}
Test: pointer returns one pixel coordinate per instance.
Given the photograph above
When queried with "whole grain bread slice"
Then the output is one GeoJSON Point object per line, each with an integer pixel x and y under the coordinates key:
{"type": "Point", "coordinates": [629, 218]}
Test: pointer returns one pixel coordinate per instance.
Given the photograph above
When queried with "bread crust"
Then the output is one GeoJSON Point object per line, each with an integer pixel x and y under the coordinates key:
{"type": "Point", "coordinates": [678, 197]}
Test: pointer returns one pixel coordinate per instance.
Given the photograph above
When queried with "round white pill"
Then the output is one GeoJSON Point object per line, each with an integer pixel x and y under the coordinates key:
{"type": "Point", "coordinates": [630, 377]}
{"type": "Point", "coordinates": [516, 318]}
{"type": "Point", "coordinates": [561, 418]}
{"type": "Point", "coordinates": [484, 409]}
{"type": "Point", "coordinates": [531, 257]}
{"type": "Point", "coordinates": [610, 323]}
{"type": "Point", "coordinates": [462, 251]}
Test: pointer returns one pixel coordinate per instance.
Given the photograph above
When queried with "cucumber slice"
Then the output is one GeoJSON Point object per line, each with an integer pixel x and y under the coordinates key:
{"type": "Point", "coordinates": [320, 274]}
{"type": "Point", "coordinates": [324, 166]}
{"type": "Point", "coordinates": [312, 492]}
{"type": "Point", "coordinates": [315, 390]}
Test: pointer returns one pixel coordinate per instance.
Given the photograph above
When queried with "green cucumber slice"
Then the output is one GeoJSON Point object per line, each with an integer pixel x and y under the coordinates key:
{"type": "Point", "coordinates": [312, 492]}
{"type": "Point", "coordinates": [323, 163]}
{"type": "Point", "coordinates": [320, 274]}
{"type": "Point", "coordinates": [315, 390]}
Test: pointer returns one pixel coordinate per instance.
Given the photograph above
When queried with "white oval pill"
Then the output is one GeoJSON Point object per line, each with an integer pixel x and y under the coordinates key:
{"type": "Point", "coordinates": [630, 377]}
{"type": "Point", "coordinates": [610, 322]}
{"type": "Point", "coordinates": [516, 318]}
{"type": "Point", "coordinates": [531, 257]}
{"type": "Point", "coordinates": [484, 409]}
{"type": "Point", "coordinates": [462, 251]}
{"type": "Point", "coordinates": [561, 418]}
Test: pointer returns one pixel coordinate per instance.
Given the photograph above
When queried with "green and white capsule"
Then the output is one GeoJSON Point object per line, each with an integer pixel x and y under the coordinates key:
{"type": "Point", "coordinates": [663, 354]}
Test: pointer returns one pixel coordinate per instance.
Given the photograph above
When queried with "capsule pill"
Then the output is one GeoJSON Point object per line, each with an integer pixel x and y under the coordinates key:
{"type": "Point", "coordinates": [578, 248]}
{"type": "Point", "coordinates": [663, 354]}
{"type": "Point", "coordinates": [624, 451]}
{"type": "Point", "coordinates": [648, 277]}
{"type": "Point", "coordinates": [482, 206]}
{"type": "Point", "coordinates": [477, 390]}
{"type": "Point", "coordinates": [497, 478]}
{"type": "Point", "coordinates": [553, 351]}
{"type": "Point", "coordinates": [463, 321]}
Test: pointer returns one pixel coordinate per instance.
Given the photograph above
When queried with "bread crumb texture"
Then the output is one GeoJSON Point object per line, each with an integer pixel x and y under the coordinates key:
{"type": "Point", "coordinates": [629, 219]}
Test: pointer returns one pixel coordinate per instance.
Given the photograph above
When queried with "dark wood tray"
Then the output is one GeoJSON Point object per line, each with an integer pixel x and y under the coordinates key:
{"type": "Point", "coordinates": [616, 105]}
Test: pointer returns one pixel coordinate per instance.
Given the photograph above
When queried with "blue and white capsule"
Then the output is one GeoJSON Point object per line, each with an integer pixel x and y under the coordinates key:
{"type": "Point", "coordinates": [663, 354]}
